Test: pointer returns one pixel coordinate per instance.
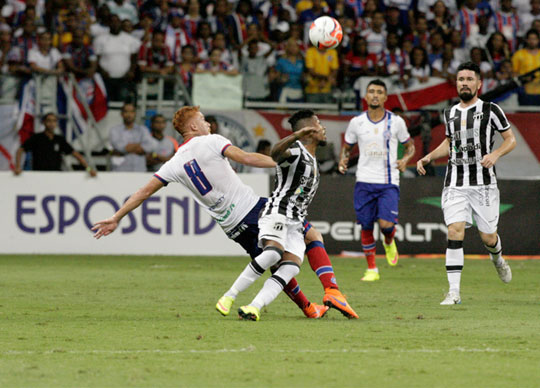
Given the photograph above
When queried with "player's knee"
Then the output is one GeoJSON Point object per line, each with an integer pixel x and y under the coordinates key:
{"type": "Point", "coordinates": [489, 239]}
{"type": "Point", "coordinates": [270, 256]}
{"type": "Point", "coordinates": [385, 224]}
{"type": "Point", "coordinates": [292, 268]}
{"type": "Point", "coordinates": [313, 235]}
{"type": "Point", "coordinates": [456, 231]}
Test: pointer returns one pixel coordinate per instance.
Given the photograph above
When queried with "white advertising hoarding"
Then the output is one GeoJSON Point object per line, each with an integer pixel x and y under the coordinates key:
{"type": "Point", "coordinates": [52, 212]}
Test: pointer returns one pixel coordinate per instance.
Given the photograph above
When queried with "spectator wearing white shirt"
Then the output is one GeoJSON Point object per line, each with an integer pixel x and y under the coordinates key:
{"type": "Point", "coordinates": [419, 70]}
{"type": "Point", "coordinates": [45, 59]}
{"type": "Point", "coordinates": [447, 65]}
{"type": "Point", "coordinates": [480, 37]}
{"type": "Point", "coordinates": [117, 53]}
{"type": "Point", "coordinates": [526, 18]}
{"type": "Point", "coordinates": [460, 52]}
{"type": "Point", "coordinates": [376, 36]}
{"type": "Point", "coordinates": [426, 7]}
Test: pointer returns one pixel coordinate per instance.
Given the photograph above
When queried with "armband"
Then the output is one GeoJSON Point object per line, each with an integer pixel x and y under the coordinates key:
{"type": "Point", "coordinates": [88, 168]}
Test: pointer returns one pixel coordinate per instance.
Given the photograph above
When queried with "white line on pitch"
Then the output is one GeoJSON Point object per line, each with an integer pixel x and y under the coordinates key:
{"type": "Point", "coordinates": [253, 349]}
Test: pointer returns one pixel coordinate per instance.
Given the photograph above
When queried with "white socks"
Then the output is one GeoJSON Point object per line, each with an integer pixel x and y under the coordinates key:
{"type": "Point", "coordinates": [454, 264]}
{"type": "Point", "coordinates": [275, 284]}
{"type": "Point", "coordinates": [254, 270]}
{"type": "Point", "coordinates": [495, 252]}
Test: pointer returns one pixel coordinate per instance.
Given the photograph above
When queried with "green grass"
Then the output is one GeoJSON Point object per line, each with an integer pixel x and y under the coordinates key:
{"type": "Point", "coordinates": [94, 321]}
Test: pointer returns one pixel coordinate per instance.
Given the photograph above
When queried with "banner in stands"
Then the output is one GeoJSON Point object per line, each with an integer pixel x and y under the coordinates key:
{"type": "Point", "coordinates": [46, 212]}
{"type": "Point", "coordinates": [245, 128]}
{"type": "Point", "coordinates": [217, 91]}
{"type": "Point", "coordinates": [421, 228]}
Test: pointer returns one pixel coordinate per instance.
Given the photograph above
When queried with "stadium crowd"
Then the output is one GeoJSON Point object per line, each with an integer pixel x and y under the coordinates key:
{"type": "Point", "coordinates": [266, 41]}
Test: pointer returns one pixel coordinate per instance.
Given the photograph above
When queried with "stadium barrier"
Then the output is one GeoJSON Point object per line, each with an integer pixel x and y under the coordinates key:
{"type": "Point", "coordinates": [48, 212]}
{"type": "Point", "coordinates": [421, 228]}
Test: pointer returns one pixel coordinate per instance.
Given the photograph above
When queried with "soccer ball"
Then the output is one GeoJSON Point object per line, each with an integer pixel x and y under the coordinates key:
{"type": "Point", "coordinates": [325, 32]}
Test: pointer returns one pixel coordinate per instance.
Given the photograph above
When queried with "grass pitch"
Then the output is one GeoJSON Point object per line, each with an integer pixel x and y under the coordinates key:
{"type": "Point", "coordinates": [95, 321]}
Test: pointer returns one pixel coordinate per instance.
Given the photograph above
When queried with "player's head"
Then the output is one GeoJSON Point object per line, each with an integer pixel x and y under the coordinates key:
{"type": "Point", "coordinates": [189, 121]}
{"type": "Point", "coordinates": [307, 118]}
{"type": "Point", "coordinates": [376, 94]}
{"type": "Point", "coordinates": [468, 81]}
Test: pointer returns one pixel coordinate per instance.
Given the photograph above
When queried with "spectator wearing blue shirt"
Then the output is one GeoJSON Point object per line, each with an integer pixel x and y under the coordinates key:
{"type": "Point", "coordinates": [290, 67]}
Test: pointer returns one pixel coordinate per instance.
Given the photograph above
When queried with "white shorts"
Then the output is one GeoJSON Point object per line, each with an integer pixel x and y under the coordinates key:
{"type": "Point", "coordinates": [465, 203]}
{"type": "Point", "coordinates": [289, 233]}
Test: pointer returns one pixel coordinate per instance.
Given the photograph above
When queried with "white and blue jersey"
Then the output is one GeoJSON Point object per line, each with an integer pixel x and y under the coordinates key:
{"type": "Point", "coordinates": [377, 144]}
{"type": "Point", "coordinates": [201, 166]}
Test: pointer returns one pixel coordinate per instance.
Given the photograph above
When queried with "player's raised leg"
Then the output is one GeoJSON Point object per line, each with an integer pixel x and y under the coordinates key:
{"type": "Point", "coordinates": [248, 238]}
{"type": "Point", "coordinates": [322, 266]}
{"type": "Point", "coordinates": [389, 244]}
{"type": "Point", "coordinates": [493, 244]}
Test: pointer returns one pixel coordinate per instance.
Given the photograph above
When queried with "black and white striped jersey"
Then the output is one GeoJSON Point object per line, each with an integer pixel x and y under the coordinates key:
{"type": "Point", "coordinates": [471, 133]}
{"type": "Point", "coordinates": [297, 179]}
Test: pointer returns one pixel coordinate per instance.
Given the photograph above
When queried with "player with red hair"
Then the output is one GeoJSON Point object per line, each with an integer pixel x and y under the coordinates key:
{"type": "Point", "coordinates": [201, 165]}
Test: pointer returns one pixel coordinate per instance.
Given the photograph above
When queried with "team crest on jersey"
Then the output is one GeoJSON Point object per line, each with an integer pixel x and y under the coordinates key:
{"type": "Point", "coordinates": [478, 116]}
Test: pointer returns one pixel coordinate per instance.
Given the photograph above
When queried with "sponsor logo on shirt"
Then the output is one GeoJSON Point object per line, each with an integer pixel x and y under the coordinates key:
{"type": "Point", "coordinates": [467, 147]}
{"type": "Point", "coordinates": [226, 215]}
{"type": "Point", "coordinates": [374, 151]}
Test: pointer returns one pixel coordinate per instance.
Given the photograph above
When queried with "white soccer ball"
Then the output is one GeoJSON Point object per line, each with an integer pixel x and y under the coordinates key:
{"type": "Point", "coordinates": [325, 33]}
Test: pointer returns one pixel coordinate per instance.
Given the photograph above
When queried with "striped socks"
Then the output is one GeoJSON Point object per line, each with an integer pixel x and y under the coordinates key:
{"type": "Point", "coordinates": [320, 263]}
{"type": "Point", "coordinates": [368, 246]}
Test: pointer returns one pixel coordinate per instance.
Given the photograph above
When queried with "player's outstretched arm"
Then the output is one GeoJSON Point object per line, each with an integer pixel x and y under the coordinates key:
{"type": "Point", "coordinates": [106, 227]}
{"type": "Point", "coordinates": [442, 150]}
{"type": "Point", "coordinates": [344, 158]}
{"type": "Point", "coordinates": [280, 149]}
{"type": "Point", "coordinates": [252, 159]}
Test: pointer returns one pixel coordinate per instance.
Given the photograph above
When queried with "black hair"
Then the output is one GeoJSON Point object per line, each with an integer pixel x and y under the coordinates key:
{"type": "Point", "coordinates": [263, 143]}
{"type": "Point", "coordinates": [44, 117]}
{"type": "Point", "coordinates": [155, 117]}
{"type": "Point", "coordinates": [378, 82]}
{"type": "Point", "coordinates": [299, 116]}
{"type": "Point", "coordinates": [189, 47]}
{"type": "Point", "coordinates": [470, 66]}
{"type": "Point", "coordinates": [532, 31]}
{"type": "Point", "coordinates": [128, 101]}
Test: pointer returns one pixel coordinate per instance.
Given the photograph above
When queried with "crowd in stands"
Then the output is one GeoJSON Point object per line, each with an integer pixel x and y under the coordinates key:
{"type": "Point", "coordinates": [266, 41]}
